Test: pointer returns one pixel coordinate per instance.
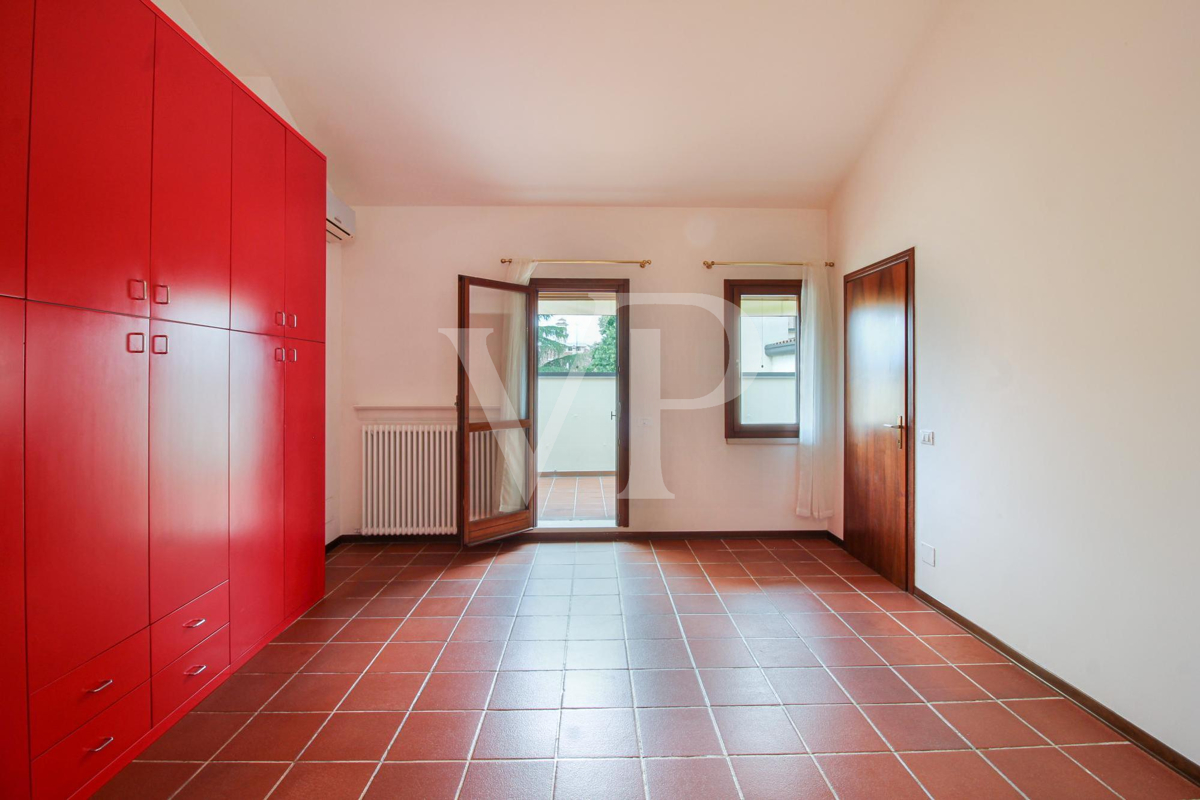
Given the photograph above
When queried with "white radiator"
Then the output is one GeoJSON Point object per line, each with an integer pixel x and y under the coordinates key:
{"type": "Point", "coordinates": [409, 473]}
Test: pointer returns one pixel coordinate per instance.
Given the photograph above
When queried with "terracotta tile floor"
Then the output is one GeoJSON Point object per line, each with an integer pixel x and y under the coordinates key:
{"type": "Point", "coordinates": [592, 497]}
{"type": "Point", "coordinates": [703, 669]}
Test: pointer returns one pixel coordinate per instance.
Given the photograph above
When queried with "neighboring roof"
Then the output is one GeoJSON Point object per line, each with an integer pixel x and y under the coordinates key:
{"type": "Point", "coordinates": [787, 345]}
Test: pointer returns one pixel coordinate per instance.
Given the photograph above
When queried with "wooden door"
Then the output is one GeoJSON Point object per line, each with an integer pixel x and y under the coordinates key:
{"type": "Point", "coordinates": [879, 416]}
{"type": "Point", "coordinates": [256, 565]}
{"type": "Point", "coordinates": [16, 60]}
{"type": "Point", "coordinates": [86, 478]}
{"type": "Point", "coordinates": [89, 154]}
{"type": "Point", "coordinates": [14, 756]}
{"type": "Point", "coordinates": [304, 243]}
{"type": "Point", "coordinates": [497, 405]}
{"type": "Point", "coordinates": [257, 247]}
{"type": "Point", "coordinates": [189, 463]}
{"type": "Point", "coordinates": [189, 221]}
{"type": "Point", "coordinates": [304, 473]}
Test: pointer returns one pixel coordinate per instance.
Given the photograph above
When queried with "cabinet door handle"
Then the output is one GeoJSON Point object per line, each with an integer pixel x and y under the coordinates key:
{"type": "Point", "coordinates": [137, 289]}
{"type": "Point", "coordinates": [159, 348]}
{"type": "Point", "coordinates": [165, 294]}
{"type": "Point", "coordinates": [295, 322]}
{"type": "Point", "coordinates": [135, 342]}
{"type": "Point", "coordinates": [196, 670]}
{"type": "Point", "coordinates": [196, 623]}
{"type": "Point", "coordinates": [104, 685]}
{"type": "Point", "coordinates": [295, 355]}
{"type": "Point", "coordinates": [280, 319]}
{"type": "Point", "coordinates": [105, 743]}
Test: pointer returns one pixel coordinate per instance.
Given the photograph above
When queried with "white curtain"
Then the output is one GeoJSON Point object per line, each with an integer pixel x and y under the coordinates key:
{"type": "Point", "coordinates": [513, 493]}
{"type": "Point", "coordinates": [816, 454]}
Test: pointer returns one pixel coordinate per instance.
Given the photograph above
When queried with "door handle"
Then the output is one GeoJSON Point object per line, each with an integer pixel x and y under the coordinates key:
{"type": "Point", "coordinates": [295, 321]}
{"type": "Point", "coordinates": [165, 294]}
{"type": "Point", "coordinates": [280, 319]}
{"type": "Point", "coordinates": [135, 342]}
{"type": "Point", "coordinates": [137, 289]}
{"type": "Point", "coordinates": [157, 347]}
{"type": "Point", "coordinates": [279, 354]}
{"type": "Point", "coordinates": [103, 744]}
{"type": "Point", "coordinates": [899, 428]}
{"type": "Point", "coordinates": [295, 355]}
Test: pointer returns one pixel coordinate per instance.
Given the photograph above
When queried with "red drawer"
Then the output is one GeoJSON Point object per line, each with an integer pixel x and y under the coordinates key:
{"type": "Point", "coordinates": [181, 630]}
{"type": "Point", "coordinates": [189, 673]}
{"type": "Point", "coordinates": [76, 760]}
{"type": "Point", "coordinates": [61, 707]}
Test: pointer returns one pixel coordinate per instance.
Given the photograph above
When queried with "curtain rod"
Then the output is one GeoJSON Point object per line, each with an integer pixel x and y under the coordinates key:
{"type": "Point", "coordinates": [711, 264]}
{"type": "Point", "coordinates": [643, 263]}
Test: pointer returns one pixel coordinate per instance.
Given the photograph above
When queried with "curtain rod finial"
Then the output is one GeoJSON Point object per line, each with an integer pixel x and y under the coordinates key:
{"type": "Point", "coordinates": [645, 264]}
{"type": "Point", "coordinates": [830, 264]}
{"type": "Point", "coordinates": [506, 261]}
{"type": "Point", "coordinates": [709, 264]}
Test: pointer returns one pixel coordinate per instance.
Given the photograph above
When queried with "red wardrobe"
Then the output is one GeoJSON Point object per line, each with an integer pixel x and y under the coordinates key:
{"type": "Point", "coordinates": [162, 369]}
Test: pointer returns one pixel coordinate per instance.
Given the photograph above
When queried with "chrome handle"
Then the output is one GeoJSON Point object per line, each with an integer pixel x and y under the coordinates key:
{"type": "Point", "coordinates": [135, 343]}
{"type": "Point", "coordinates": [107, 741]}
{"type": "Point", "coordinates": [279, 354]}
{"type": "Point", "coordinates": [196, 670]}
{"type": "Point", "coordinates": [280, 319]}
{"type": "Point", "coordinates": [899, 428]}
{"type": "Point", "coordinates": [154, 344]}
{"type": "Point", "coordinates": [295, 355]}
{"type": "Point", "coordinates": [101, 687]}
{"type": "Point", "coordinates": [166, 294]}
{"type": "Point", "coordinates": [196, 623]}
{"type": "Point", "coordinates": [295, 323]}
{"type": "Point", "coordinates": [137, 289]}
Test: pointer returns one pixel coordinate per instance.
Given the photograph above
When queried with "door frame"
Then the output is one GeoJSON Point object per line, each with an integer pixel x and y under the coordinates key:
{"type": "Point", "coordinates": [910, 398]}
{"type": "Point", "coordinates": [619, 286]}
{"type": "Point", "coordinates": [495, 527]}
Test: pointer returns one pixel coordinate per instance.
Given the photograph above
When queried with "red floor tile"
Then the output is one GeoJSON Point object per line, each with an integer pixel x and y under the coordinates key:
{"type": "Point", "coordinates": [425, 629]}
{"type": "Point", "coordinates": [618, 779]}
{"type": "Point", "coordinates": [281, 658]}
{"type": "Point", "coordinates": [962, 774]}
{"type": "Point", "coordinates": [527, 690]}
{"type": "Point", "coordinates": [368, 630]}
{"type": "Point", "coordinates": [1063, 722]}
{"type": "Point", "coordinates": [470, 657]}
{"type": "Point", "coordinates": [720, 653]}
{"type": "Point", "coordinates": [782, 653]}
{"type": "Point", "coordinates": [942, 683]}
{"type": "Point", "coordinates": [517, 734]}
{"type": "Point", "coordinates": [343, 657]}
{"type": "Point", "coordinates": [492, 780]}
{"type": "Point", "coordinates": [597, 689]}
{"type": "Point", "coordinates": [964, 650]}
{"type": "Point", "coordinates": [1132, 773]}
{"type": "Point", "coordinates": [874, 685]}
{"type": "Point", "coordinates": [1007, 681]}
{"type": "Point", "coordinates": [756, 730]}
{"type": "Point", "coordinates": [689, 779]}
{"type": "Point", "coordinates": [805, 686]}
{"type": "Point", "coordinates": [312, 693]}
{"type": "Point", "coordinates": [870, 777]}
{"type": "Point", "coordinates": [1044, 773]}
{"type": "Point", "coordinates": [915, 727]}
{"type": "Point", "coordinates": [435, 736]}
{"type": "Point", "coordinates": [538, 656]}
{"type": "Point", "coordinates": [848, 652]}
{"type": "Point", "coordinates": [677, 732]}
{"type": "Point", "coordinates": [354, 736]}
{"type": "Point", "coordinates": [658, 654]}
{"type": "Point", "coordinates": [455, 691]}
{"type": "Point", "coordinates": [990, 725]}
{"type": "Point", "coordinates": [232, 782]}
{"type": "Point", "coordinates": [903, 650]}
{"type": "Point", "coordinates": [428, 781]}
{"type": "Point", "coordinates": [657, 688]}
{"type": "Point", "coordinates": [737, 687]}
{"type": "Point", "coordinates": [407, 657]}
{"type": "Point", "coordinates": [325, 781]}
{"type": "Point", "coordinates": [272, 737]}
{"type": "Point", "coordinates": [386, 691]}
{"type": "Point", "coordinates": [818, 624]}
{"type": "Point", "coordinates": [597, 733]}
{"type": "Point", "coordinates": [147, 780]}
{"type": "Point", "coordinates": [836, 729]}
{"type": "Point", "coordinates": [780, 778]}
{"type": "Point", "coordinates": [196, 737]}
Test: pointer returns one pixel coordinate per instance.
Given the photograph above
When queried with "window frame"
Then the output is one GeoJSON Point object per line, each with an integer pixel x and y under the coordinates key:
{"type": "Point", "coordinates": [734, 291]}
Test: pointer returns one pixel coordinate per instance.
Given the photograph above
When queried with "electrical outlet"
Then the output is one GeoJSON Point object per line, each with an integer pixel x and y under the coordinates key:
{"type": "Point", "coordinates": [928, 554]}
{"type": "Point", "coordinates": [926, 437]}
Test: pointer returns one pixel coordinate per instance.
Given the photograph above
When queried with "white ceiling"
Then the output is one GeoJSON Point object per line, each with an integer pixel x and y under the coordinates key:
{"type": "Point", "coordinates": [757, 103]}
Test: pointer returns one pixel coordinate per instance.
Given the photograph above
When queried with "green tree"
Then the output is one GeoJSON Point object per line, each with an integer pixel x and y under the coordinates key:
{"type": "Point", "coordinates": [604, 352]}
{"type": "Point", "coordinates": [552, 346]}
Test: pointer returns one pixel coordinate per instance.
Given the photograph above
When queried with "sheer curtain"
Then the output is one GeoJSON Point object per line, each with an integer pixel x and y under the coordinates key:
{"type": "Point", "coordinates": [511, 455]}
{"type": "Point", "coordinates": [816, 453]}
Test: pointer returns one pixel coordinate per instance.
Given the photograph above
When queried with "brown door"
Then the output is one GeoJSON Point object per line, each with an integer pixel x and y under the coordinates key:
{"type": "Point", "coordinates": [497, 466]}
{"type": "Point", "coordinates": [879, 410]}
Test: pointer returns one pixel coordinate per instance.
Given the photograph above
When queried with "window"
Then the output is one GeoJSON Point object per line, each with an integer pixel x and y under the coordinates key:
{"type": "Point", "coordinates": [762, 326]}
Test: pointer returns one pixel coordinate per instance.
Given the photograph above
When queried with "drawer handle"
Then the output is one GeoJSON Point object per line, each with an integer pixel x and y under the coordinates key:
{"type": "Point", "coordinates": [101, 687]}
{"type": "Point", "coordinates": [280, 319]}
{"type": "Point", "coordinates": [196, 670]}
{"type": "Point", "coordinates": [196, 623]}
{"type": "Point", "coordinates": [107, 741]}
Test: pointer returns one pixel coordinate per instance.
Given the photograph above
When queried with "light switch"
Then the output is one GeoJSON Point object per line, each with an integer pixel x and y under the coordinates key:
{"type": "Point", "coordinates": [928, 554]}
{"type": "Point", "coordinates": [926, 437]}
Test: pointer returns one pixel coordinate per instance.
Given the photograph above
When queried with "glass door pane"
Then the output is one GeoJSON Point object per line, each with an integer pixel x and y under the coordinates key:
{"type": "Point", "coordinates": [496, 408]}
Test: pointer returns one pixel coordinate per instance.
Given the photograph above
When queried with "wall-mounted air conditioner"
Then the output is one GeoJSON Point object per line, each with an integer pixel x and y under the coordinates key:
{"type": "Point", "coordinates": [339, 219]}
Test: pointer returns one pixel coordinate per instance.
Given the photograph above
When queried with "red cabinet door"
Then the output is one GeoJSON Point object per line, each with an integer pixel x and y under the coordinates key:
{"type": "Point", "coordinates": [86, 555]}
{"type": "Point", "coordinates": [304, 249]}
{"type": "Point", "coordinates": [16, 60]}
{"type": "Point", "coordinates": [304, 473]}
{"type": "Point", "coordinates": [89, 154]}
{"type": "Point", "coordinates": [14, 755]}
{"type": "Point", "coordinates": [189, 217]}
{"type": "Point", "coordinates": [189, 463]}
{"type": "Point", "coordinates": [257, 253]}
{"type": "Point", "coordinates": [256, 602]}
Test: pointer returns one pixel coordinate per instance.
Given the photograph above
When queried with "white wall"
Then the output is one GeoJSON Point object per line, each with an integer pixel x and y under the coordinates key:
{"type": "Point", "coordinates": [580, 412]}
{"type": "Point", "coordinates": [1043, 160]}
{"type": "Point", "coordinates": [400, 288]}
{"type": "Point", "coordinates": [333, 389]}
